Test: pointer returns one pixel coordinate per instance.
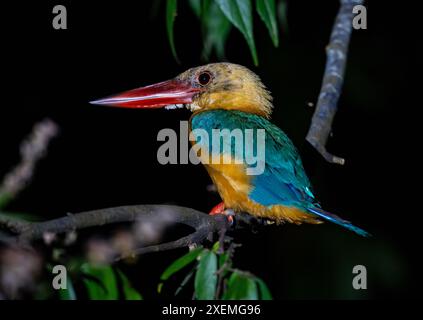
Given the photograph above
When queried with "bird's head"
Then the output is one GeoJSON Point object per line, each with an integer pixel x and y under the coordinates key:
{"type": "Point", "coordinates": [214, 86]}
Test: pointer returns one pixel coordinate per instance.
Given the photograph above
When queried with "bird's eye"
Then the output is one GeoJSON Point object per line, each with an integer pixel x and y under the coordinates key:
{"type": "Point", "coordinates": [204, 78]}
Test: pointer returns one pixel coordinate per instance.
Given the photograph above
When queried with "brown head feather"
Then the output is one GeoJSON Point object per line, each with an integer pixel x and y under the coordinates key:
{"type": "Point", "coordinates": [230, 87]}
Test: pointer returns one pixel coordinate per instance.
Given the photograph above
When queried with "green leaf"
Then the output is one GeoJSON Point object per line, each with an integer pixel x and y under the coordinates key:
{"type": "Point", "coordinates": [216, 246]}
{"type": "Point", "coordinates": [224, 259]}
{"type": "Point", "coordinates": [178, 264]}
{"type": "Point", "coordinates": [206, 277]}
{"type": "Point", "coordinates": [159, 287]}
{"type": "Point", "coordinates": [181, 262]}
{"type": "Point", "coordinates": [215, 29]}
{"type": "Point", "coordinates": [264, 290]}
{"type": "Point", "coordinates": [267, 12]}
{"type": "Point", "coordinates": [239, 12]}
{"type": "Point", "coordinates": [196, 7]}
{"type": "Point", "coordinates": [69, 292]}
{"type": "Point", "coordinates": [171, 6]}
{"type": "Point", "coordinates": [128, 291]}
{"type": "Point", "coordinates": [100, 282]}
{"type": "Point", "coordinates": [241, 287]}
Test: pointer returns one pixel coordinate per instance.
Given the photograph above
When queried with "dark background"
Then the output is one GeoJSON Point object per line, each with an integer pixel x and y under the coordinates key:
{"type": "Point", "coordinates": [106, 157]}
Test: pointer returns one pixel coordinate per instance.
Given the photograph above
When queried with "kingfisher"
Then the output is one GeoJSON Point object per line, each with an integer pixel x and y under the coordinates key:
{"type": "Point", "coordinates": [230, 96]}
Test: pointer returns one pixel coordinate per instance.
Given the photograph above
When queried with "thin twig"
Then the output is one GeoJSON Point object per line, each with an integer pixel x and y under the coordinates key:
{"type": "Point", "coordinates": [221, 272]}
{"type": "Point", "coordinates": [196, 237]}
{"type": "Point", "coordinates": [32, 149]}
{"type": "Point", "coordinates": [336, 51]}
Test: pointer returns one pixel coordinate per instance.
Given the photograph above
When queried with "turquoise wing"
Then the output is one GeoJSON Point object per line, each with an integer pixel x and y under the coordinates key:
{"type": "Point", "coordinates": [283, 181]}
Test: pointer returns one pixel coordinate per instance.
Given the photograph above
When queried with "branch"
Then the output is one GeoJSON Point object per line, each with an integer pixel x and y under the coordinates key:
{"type": "Point", "coordinates": [11, 224]}
{"type": "Point", "coordinates": [32, 149]}
{"type": "Point", "coordinates": [336, 51]}
{"type": "Point", "coordinates": [203, 224]}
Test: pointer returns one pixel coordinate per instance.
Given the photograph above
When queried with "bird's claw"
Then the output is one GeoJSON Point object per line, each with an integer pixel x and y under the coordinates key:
{"type": "Point", "coordinates": [220, 209]}
{"type": "Point", "coordinates": [217, 209]}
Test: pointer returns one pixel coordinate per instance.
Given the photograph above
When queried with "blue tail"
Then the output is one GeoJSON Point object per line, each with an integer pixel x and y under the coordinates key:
{"type": "Point", "coordinates": [335, 219]}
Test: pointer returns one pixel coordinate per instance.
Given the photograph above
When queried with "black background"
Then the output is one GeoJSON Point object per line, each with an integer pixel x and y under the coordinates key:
{"type": "Point", "coordinates": [106, 157]}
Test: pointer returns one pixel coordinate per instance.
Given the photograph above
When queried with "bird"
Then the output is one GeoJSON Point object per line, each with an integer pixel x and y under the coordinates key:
{"type": "Point", "coordinates": [231, 96]}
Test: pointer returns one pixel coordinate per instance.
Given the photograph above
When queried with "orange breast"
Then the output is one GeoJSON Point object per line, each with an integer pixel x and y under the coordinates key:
{"type": "Point", "coordinates": [234, 185]}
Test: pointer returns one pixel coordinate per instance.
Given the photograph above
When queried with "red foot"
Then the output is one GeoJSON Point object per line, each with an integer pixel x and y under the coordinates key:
{"type": "Point", "coordinates": [217, 209]}
{"type": "Point", "coordinates": [220, 209]}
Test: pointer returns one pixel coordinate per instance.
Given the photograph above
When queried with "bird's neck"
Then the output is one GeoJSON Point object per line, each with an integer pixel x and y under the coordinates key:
{"type": "Point", "coordinates": [247, 103]}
